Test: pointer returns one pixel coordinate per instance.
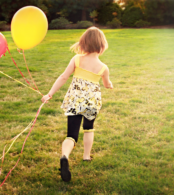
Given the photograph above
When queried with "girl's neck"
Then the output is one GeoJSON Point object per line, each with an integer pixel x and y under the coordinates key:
{"type": "Point", "coordinates": [93, 55]}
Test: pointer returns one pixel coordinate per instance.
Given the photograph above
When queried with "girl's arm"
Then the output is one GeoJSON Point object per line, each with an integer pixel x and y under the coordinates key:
{"type": "Point", "coordinates": [106, 81]}
{"type": "Point", "coordinates": [61, 80]}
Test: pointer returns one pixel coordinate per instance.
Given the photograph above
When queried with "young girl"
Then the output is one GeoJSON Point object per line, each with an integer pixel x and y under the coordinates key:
{"type": "Point", "coordinates": [83, 99]}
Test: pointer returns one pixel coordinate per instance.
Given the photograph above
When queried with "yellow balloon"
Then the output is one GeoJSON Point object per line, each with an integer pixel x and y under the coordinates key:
{"type": "Point", "coordinates": [28, 27]}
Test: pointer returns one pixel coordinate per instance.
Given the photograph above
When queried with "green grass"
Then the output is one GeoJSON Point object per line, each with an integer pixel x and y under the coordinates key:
{"type": "Point", "coordinates": [133, 151]}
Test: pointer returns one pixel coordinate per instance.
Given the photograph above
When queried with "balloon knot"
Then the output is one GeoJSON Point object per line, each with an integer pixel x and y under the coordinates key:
{"type": "Point", "coordinates": [19, 50]}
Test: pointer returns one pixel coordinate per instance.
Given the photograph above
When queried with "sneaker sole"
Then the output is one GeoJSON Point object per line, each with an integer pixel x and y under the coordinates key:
{"type": "Point", "coordinates": [65, 173]}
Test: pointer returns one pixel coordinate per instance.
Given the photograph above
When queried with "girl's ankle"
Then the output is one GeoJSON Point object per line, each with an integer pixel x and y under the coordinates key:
{"type": "Point", "coordinates": [86, 157]}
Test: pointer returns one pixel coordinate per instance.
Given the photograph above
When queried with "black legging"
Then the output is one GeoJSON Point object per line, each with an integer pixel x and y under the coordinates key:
{"type": "Point", "coordinates": [74, 123]}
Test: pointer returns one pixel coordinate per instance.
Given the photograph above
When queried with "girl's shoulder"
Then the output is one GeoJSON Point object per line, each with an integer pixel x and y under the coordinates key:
{"type": "Point", "coordinates": [104, 69]}
{"type": "Point", "coordinates": [103, 65]}
{"type": "Point", "coordinates": [78, 56]}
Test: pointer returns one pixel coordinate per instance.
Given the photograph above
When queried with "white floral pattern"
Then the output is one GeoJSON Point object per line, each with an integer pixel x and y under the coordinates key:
{"type": "Point", "coordinates": [83, 97]}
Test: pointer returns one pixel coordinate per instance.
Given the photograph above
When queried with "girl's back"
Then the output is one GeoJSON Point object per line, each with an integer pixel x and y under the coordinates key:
{"type": "Point", "coordinates": [91, 63]}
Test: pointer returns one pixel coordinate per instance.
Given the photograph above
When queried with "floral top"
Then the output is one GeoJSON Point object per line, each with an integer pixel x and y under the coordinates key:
{"type": "Point", "coordinates": [84, 95]}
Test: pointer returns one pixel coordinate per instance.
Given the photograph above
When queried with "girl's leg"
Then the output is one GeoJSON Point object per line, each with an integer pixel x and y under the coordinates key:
{"type": "Point", "coordinates": [72, 134]}
{"type": "Point", "coordinates": [88, 137]}
{"type": "Point", "coordinates": [68, 144]}
{"type": "Point", "coordinates": [88, 142]}
{"type": "Point", "coordinates": [67, 147]}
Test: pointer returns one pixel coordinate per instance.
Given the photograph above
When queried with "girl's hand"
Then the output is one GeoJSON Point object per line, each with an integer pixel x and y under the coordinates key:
{"type": "Point", "coordinates": [110, 86]}
{"type": "Point", "coordinates": [45, 98]}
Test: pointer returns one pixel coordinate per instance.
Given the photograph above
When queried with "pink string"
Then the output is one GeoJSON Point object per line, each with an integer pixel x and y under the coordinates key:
{"type": "Point", "coordinates": [19, 69]}
{"type": "Point", "coordinates": [3, 155]}
{"type": "Point", "coordinates": [37, 114]}
{"type": "Point", "coordinates": [29, 71]}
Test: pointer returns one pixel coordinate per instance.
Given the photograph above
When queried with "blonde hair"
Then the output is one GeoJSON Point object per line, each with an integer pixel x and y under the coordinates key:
{"type": "Point", "coordinates": [92, 40]}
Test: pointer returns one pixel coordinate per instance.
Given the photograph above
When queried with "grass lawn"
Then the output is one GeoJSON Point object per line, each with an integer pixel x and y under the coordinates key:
{"type": "Point", "coordinates": [133, 151]}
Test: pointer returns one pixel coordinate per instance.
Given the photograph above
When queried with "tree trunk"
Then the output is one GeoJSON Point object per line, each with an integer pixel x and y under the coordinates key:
{"type": "Point", "coordinates": [84, 14]}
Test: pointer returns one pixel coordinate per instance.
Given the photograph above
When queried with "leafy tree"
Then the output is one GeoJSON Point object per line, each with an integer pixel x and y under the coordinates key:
{"type": "Point", "coordinates": [78, 9]}
{"type": "Point", "coordinates": [106, 12]}
{"type": "Point", "coordinates": [9, 7]}
{"type": "Point", "coordinates": [63, 13]}
{"type": "Point", "coordinates": [94, 15]}
{"type": "Point", "coordinates": [138, 3]}
{"type": "Point", "coordinates": [56, 8]}
{"type": "Point", "coordinates": [43, 5]}
{"type": "Point", "coordinates": [159, 11]}
{"type": "Point", "coordinates": [84, 5]}
{"type": "Point", "coordinates": [131, 15]}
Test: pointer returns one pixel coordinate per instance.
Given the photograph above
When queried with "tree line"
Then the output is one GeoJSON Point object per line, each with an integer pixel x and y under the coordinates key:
{"type": "Point", "coordinates": [122, 12]}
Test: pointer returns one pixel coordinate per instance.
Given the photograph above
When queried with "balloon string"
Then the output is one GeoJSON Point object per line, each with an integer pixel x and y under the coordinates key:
{"type": "Point", "coordinates": [3, 155]}
{"type": "Point", "coordinates": [37, 114]}
{"type": "Point", "coordinates": [16, 137]}
{"type": "Point", "coordinates": [19, 69]}
{"type": "Point", "coordinates": [32, 126]}
{"type": "Point", "coordinates": [9, 173]}
{"type": "Point", "coordinates": [29, 71]}
{"type": "Point", "coordinates": [21, 83]}
{"type": "Point", "coordinates": [19, 50]}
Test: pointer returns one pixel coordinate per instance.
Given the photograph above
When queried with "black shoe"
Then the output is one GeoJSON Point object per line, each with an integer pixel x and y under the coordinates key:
{"type": "Point", "coordinates": [64, 168]}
